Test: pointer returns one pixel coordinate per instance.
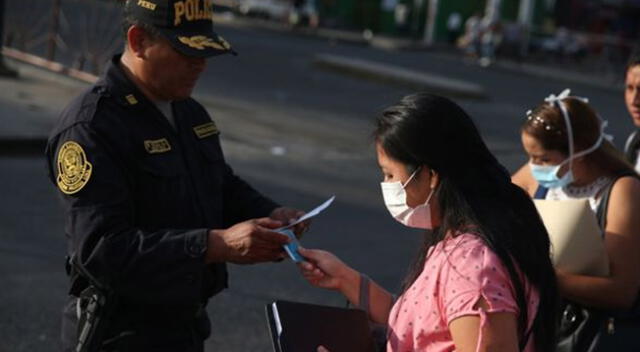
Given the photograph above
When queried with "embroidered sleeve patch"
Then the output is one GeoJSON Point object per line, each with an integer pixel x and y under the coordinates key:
{"type": "Point", "coordinates": [206, 130]}
{"type": "Point", "coordinates": [74, 171]}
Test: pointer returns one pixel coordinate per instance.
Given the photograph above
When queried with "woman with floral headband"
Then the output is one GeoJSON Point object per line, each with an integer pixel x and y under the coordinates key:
{"type": "Point", "coordinates": [570, 158]}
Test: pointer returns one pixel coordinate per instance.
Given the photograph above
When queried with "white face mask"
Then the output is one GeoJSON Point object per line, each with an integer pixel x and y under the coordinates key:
{"type": "Point", "coordinates": [395, 198]}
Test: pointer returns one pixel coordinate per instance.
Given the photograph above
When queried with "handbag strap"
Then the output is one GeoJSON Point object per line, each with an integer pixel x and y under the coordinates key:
{"type": "Point", "coordinates": [541, 193]}
{"type": "Point", "coordinates": [631, 147]}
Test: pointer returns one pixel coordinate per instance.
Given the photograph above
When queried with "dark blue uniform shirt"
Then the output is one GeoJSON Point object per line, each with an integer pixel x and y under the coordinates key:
{"type": "Point", "coordinates": [140, 196]}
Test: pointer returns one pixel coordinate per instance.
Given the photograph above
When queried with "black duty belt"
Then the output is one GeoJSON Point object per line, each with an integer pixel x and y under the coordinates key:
{"type": "Point", "coordinates": [166, 316]}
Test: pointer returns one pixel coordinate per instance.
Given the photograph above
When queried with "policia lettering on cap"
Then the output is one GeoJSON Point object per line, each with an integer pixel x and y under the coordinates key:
{"type": "Point", "coordinates": [153, 211]}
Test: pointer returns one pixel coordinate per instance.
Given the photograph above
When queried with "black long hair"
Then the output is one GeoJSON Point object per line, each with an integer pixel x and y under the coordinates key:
{"type": "Point", "coordinates": [475, 191]}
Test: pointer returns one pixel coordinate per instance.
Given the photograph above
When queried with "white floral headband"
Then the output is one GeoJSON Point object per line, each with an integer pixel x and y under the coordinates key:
{"type": "Point", "coordinates": [553, 100]}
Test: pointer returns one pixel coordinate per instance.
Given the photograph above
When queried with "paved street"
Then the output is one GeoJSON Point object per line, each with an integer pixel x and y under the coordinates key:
{"type": "Point", "coordinates": [299, 134]}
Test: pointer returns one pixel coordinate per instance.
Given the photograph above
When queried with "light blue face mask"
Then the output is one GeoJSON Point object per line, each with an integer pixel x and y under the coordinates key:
{"type": "Point", "coordinates": [547, 175]}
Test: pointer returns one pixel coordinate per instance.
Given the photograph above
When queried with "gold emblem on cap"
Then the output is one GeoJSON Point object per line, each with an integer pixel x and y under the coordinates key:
{"type": "Point", "coordinates": [201, 42]}
{"type": "Point", "coordinates": [74, 170]}
{"type": "Point", "coordinates": [206, 130]}
{"type": "Point", "coordinates": [156, 146]}
{"type": "Point", "coordinates": [224, 43]}
{"type": "Point", "coordinates": [131, 99]}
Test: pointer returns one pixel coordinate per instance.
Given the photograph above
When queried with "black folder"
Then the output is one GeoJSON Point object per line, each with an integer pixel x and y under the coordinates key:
{"type": "Point", "coordinates": [302, 327]}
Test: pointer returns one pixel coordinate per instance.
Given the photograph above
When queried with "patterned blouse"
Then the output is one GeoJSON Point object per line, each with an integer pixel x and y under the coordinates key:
{"type": "Point", "coordinates": [457, 273]}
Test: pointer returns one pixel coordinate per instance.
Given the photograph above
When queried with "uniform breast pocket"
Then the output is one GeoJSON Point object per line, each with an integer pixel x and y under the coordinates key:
{"type": "Point", "coordinates": [162, 189]}
{"type": "Point", "coordinates": [211, 149]}
{"type": "Point", "coordinates": [214, 170]}
{"type": "Point", "coordinates": [213, 160]}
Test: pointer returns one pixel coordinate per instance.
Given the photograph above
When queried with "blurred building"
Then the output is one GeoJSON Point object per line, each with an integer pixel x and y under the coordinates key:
{"type": "Point", "coordinates": [612, 26]}
{"type": "Point", "coordinates": [428, 20]}
{"type": "Point", "coordinates": [415, 18]}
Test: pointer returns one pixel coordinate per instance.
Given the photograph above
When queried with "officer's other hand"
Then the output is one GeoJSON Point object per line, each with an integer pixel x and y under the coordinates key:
{"type": "Point", "coordinates": [289, 215]}
{"type": "Point", "coordinates": [248, 242]}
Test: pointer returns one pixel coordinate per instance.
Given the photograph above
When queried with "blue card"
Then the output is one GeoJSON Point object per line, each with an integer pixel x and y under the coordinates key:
{"type": "Point", "coordinates": [292, 247]}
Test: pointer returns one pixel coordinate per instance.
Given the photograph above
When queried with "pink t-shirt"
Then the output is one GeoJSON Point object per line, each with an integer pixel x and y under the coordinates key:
{"type": "Point", "coordinates": [458, 271]}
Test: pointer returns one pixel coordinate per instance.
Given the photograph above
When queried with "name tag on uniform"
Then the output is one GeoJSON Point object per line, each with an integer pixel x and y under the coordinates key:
{"type": "Point", "coordinates": [157, 146]}
{"type": "Point", "coordinates": [206, 130]}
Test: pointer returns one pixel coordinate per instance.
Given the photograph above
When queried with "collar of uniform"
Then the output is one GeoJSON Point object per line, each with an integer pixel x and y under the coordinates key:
{"type": "Point", "coordinates": [120, 86]}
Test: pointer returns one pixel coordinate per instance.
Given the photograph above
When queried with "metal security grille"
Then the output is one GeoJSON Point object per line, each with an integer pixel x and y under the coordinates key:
{"type": "Point", "coordinates": [81, 34]}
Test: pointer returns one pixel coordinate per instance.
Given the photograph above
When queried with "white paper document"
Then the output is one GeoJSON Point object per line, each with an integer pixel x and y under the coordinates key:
{"type": "Point", "coordinates": [317, 210]}
{"type": "Point", "coordinates": [577, 243]}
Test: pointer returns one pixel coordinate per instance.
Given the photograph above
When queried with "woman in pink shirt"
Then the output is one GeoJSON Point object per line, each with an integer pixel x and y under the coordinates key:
{"type": "Point", "coordinates": [483, 280]}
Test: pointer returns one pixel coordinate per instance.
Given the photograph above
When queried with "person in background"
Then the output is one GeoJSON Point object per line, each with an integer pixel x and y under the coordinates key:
{"type": "Point", "coordinates": [454, 26]}
{"type": "Point", "coordinates": [571, 158]}
{"type": "Point", "coordinates": [490, 40]}
{"type": "Point", "coordinates": [469, 42]}
{"type": "Point", "coordinates": [632, 101]}
{"type": "Point", "coordinates": [483, 280]}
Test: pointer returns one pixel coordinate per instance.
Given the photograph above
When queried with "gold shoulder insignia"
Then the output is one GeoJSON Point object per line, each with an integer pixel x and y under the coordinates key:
{"type": "Point", "coordinates": [74, 170]}
{"type": "Point", "coordinates": [131, 99]}
{"type": "Point", "coordinates": [206, 130]}
{"type": "Point", "coordinates": [157, 146]}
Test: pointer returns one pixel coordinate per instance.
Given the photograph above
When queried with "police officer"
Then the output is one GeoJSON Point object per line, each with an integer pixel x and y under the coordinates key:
{"type": "Point", "coordinates": [153, 211]}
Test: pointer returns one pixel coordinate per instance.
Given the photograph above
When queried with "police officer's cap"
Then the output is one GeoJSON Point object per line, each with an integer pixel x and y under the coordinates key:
{"type": "Point", "coordinates": [187, 24]}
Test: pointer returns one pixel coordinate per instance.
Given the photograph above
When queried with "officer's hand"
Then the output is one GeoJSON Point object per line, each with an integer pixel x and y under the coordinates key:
{"type": "Point", "coordinates": [289, 215]}
{"type": "Point", "coordinates": [248, 242]}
